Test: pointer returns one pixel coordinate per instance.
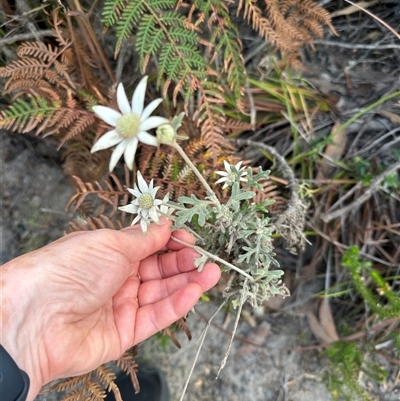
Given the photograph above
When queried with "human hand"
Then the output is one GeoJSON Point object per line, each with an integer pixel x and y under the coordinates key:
{"type": "Point", "coordinates": [88, 297]}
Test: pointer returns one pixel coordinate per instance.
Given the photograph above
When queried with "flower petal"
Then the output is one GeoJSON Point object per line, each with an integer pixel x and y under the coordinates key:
{"type": "Point", "coordinates": [150, 108]}
{"type": "Point", "coordinates": [153, 214]}
{"type": "Point", "coordinates": [144, 223]}
{"type": "Point", "coordinates": [136, 219]}
{"type": "Point", "coordinates": [116, 155]}
{"type": "Point", "coordinates": [122, 100]}
{"type": "Point", "coordinates": [153, 192]}
{"type": "Point", "coordinates": [223, 179]}
{"type": "Point", "coordinates": [146, 138]}
{"type": "Point", "coordinates": [134, 192]}
{"type": "Point", "coordinates": [223, 173]}
{"type": "Point", "coordinates": [151, 186]}
{"type": "Point", "coordinates": [110, 116]}
{"type": "Point", "coordinates": [130, 152]}
{"type": "Point", "coordinates": [138, 97]}
{"type": "Point", "coordinates": [144, 189]}
{"type": "Point", "coordinates": [128, 208]}
{"type": "Point", "coordinates": [238, 165]}
{"type": "Point", "coordinates": [227, 166]}
{"type": "Point", "coordinates": [109, 139]}
{"type": "Point", "coordinates": [153, 122]}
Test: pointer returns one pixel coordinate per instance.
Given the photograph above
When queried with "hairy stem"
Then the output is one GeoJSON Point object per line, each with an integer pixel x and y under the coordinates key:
{"type": "Point", "coordinates": [198, 174]}
{"type": "Point", "coordinates": [201, 338]}
{"type": "Point", "coordinates": [239, 312]}
{"type": "Point", "coordinates": [214, 257]}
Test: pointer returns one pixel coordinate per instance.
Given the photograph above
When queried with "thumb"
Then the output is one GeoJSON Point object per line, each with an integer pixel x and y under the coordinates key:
{"type": "Point", "coordinates": [139, 245]}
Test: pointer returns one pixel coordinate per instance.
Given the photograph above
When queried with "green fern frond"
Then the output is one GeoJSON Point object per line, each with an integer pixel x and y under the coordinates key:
{"type": "Point", "coordinates": [89, 99]}
{"type": "Point", "coordinates": [129, 18]}
{"type": "Point", "coordinates": [149, 39]}
{"type": "Point", "coordinates": [24, 116]}
{"type": "Point", "coordinates": [112, 11]}
{"type": "Point", "coordinates": [226, 37]}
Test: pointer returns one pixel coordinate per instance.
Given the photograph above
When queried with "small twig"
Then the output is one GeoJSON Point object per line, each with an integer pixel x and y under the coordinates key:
{"type": "Point", "coordinates": [256, 50]}
{"type": "Point", "coordinates": [201, 339]}
{"type": "Point", "coordinates": [343, 246]}
{"type": "Point", "coordinates": [228, 350]}
{"type": "Point", "coordinates": [374, 16]}
{"type": "Point", "coordinates": [376, 142]}
{"type": "Point", "coordinates": [25, 36]}
{"type": "Point", "coordinates": [353, 9]}
{"type": "Point", "coordinates": [120, 63]}
{"type": "Point", "coordinates": [253, 111]}
{"type": "Point", "coordinates": [356, 46]}
{"type": "Point", "coordinates": [327, 217]}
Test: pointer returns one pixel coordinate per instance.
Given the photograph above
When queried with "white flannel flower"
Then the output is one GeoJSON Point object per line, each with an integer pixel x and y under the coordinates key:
{"type": "Point", "coordinates": [229, 176]}
{"type": "Point", "coordinates": [145, 205]}
{"type": "Point", "coordinates": [166, 210]}
{"type": "Point", "coordinates": [131, 125]}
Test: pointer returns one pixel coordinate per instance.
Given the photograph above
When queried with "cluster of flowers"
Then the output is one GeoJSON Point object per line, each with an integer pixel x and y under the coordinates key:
{"type": "Point", "coordinates": [130, 127]}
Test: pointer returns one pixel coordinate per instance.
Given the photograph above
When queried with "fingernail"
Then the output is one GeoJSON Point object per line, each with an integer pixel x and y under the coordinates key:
{"type": "Point", "coordinates": [163, 220]}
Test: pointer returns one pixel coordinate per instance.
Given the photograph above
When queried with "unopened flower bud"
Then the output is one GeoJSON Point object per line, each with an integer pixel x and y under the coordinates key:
{"type": "Point", "coordinates": [168, 133]}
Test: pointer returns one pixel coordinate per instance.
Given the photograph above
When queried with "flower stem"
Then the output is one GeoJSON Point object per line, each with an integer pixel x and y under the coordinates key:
{"type": "Point", "coordinates": [214, 257]}
{"type": "Point", "coordinates": [198, 174]}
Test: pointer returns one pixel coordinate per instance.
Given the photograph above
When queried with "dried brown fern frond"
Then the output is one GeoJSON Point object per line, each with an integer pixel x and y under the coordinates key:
{"type": "Point", "coordinates": [127, 363]}
{"type": "Point", "coordinates": [288, 24]}
{"type": "Point", "coordinates": [95, 385]}
{"type": "Point", "coordinates": [233, 127]}
{"type": "Point", "coordinates": [49, 95]}
{"type": "Point", "coordinates": [79, 161]}
{"type": "Point", "coordinates": [171, 330]}
{"type": "Point", "coordinates": [99, 201]}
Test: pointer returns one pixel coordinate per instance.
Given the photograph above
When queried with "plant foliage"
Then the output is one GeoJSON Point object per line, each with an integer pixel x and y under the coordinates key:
{"type": "Point", "coordinates": [198, 47]}
{"type": "Point", "coordinates": [369, 283]}
{"type": "Point", "coordinates": [347, 361]}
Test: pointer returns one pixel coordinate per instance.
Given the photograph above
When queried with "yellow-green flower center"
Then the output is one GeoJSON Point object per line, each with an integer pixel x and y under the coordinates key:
{"type": "Point", "coordinates": [128, 126]}
{"type": "Point", "coordinates": [146, 201]}
{"type": "Point", "coordinates": [231, 176]}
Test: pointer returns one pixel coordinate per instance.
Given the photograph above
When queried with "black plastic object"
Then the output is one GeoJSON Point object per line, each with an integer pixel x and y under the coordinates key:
{"type": "Point", "coordinates": [14, 383]}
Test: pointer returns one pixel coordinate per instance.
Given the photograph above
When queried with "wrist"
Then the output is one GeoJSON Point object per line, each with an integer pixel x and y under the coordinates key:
{"type": "Point", "coordinates": [18, 333]}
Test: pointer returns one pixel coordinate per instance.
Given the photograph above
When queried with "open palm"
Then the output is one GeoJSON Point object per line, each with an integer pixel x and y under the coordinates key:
{"type": "Point", "coordinates": [92, 295]}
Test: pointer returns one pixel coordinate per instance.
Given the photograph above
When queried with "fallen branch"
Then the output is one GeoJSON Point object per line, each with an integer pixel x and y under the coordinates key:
{"type": "Point", "coordinates": [25, 36]}
{"type": "Point", "coordinates": [357, 46]}
{"type": "Point", "coordinates": [327, 217]}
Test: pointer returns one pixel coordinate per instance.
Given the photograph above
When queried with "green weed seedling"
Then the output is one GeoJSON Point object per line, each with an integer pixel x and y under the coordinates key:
{"type": "Point", "coordinates": [348, 359]}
